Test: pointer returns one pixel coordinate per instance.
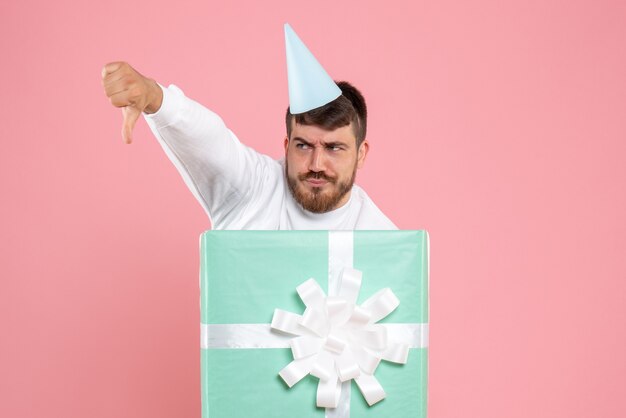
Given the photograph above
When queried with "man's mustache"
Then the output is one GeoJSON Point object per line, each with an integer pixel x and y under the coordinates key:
{"type": "Point", "coordinates": [320, 175]}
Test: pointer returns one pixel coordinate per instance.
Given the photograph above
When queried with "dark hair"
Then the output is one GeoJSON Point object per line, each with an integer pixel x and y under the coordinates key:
{"type": "Point", "coordinates": [349, 107]}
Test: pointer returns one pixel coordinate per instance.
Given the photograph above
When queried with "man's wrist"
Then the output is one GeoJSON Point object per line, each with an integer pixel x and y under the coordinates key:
{"type": "Point", "coordinates": [155, 98]}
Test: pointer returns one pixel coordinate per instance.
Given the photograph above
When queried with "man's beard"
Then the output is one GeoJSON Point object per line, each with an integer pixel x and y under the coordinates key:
{"type": "Point", "coordinates": [316, 200]}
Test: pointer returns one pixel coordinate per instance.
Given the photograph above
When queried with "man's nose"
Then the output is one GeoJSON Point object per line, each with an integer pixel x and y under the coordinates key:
{"type": "Point", "coordinates": [317, 162]}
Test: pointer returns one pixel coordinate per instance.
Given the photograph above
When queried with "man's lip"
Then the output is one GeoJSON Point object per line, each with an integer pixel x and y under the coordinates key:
{"type": "Point", "coordinates": [316, 182]}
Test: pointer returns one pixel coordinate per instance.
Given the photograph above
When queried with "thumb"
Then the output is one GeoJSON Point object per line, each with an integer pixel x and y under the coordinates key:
{"type": "Point", "coordinates": [131, 114]}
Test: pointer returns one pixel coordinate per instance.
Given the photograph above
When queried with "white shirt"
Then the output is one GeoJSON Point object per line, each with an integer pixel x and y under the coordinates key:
{"type": "Point", "coordinates": [238, 187]}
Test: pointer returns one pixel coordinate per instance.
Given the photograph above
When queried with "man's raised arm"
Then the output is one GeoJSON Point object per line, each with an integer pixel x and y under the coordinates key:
{"type": "Point", "coordinates": [232, 182]}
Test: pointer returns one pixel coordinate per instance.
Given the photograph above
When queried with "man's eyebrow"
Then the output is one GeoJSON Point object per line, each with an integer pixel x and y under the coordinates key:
{"type": "Point", "coordinates": [326, 144]}
{"type": "Point", "coordinates": [304, 141]}
{"type": "Point", "coordinates": [335, 144]}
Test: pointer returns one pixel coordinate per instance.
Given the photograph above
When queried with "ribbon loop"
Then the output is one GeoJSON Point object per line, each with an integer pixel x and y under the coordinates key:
{"type": "Point", "coordinates": [334, 344]}
{"type": "Point", "coordinates": [396, 353]}
{"type": "Point", "coordinates": [339, 310]}
{"type": "Point", "coordinates": [381, 304]}
{"type": "Point", "coordinates": [360, 317]}
{"type": "Point", "coordinates": [315, 320]}
{"type": "Point", "coordinates": [323, 367]}
{"type": "Point", "coordinates": [367, 361]}
{"type": "Point", "coordinates": [347, 367]}
{"type": "Point", "coordinates": [311, 293]}
{"type": "Point", "coordinates": [296, 370]}
{"type": "Point", "coordinates": [370, 388]}
{"type": "Point", "coordinates": [328, 392]}
{"type": "Point", "coordinates": [286, 322]}
{"type": "Point", "coordinates": [304, 346]}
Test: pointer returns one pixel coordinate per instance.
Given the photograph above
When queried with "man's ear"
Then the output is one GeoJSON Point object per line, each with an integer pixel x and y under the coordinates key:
{"type": "Point", "coordinates": [362, 153]}
{"type": "Point", "coordinates": [286, 144]}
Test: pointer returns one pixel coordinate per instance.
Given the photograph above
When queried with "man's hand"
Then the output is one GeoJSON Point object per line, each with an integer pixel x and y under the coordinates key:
{"type": "Point", "coordinates": [131, 91]}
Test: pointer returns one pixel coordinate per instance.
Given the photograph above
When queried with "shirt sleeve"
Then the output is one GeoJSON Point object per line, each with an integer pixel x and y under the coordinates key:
{"type": "Point", "coordinates": [232, 182]}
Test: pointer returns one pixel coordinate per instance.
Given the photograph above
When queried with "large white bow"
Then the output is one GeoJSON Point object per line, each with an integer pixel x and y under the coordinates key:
{"type": "Point", "coordinates": [338, 340]}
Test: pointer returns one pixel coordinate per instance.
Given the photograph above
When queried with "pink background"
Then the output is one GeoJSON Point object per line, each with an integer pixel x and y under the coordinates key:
{"type": "Point", "coordinates": [498, 126]}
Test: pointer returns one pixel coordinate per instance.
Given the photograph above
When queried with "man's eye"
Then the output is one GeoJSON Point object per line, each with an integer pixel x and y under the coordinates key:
{"type": "Point", "coordinates": [302, 146]}
{"type": "Point", "coordinates": [335, 148]}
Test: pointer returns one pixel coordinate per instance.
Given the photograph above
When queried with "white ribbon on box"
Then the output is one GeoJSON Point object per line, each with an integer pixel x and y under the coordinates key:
{"type": "Point", "coordinates": [336, 340]}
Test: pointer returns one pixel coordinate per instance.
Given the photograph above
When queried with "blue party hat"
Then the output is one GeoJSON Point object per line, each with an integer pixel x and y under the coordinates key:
{"type": "Point", "coordinates": [310, 86]}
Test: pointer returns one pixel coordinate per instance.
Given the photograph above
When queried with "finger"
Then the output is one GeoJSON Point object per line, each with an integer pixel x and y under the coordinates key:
{"type": "Point", "coordinates": [118, 86]}
{"type": "Point", "coordinates": [131, 114]}
{"type": "Point", "coordinates": [122, 99]}
{"type": "Point", "coordinates": [112, 67]}
{"type": "Point", "coordinates": [113, 88]}
{"type": "Point", "coordinates": [113, 78]}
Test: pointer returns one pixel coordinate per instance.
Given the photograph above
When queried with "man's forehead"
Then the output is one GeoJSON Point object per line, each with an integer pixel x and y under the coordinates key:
{"type": "Point", "coordinates": [314, 133]}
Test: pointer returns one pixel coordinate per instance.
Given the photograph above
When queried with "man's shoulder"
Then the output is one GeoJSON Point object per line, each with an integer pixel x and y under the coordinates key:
{"type": "Point", "coordinates": [370, 216]}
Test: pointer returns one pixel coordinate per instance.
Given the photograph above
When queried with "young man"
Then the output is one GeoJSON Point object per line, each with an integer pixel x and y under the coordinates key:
{"type": "Point", "coordinates": [312, 188]}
